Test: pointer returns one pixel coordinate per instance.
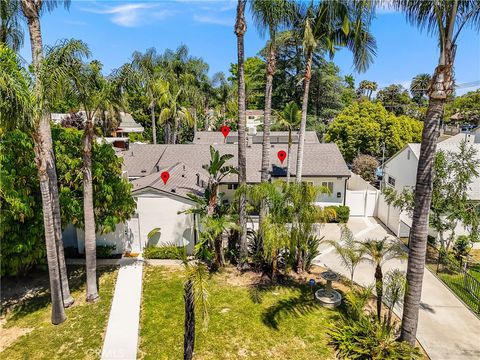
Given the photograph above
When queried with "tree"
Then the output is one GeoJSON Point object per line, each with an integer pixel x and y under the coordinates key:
{"type": "Point", "coordinates": [380, 251]}
{"type": "Point", "coordinates": [240, 29]}
{"type": "Point", "coordinates": [95, 93]}
{"type": "Point", "coordinates": [394, 291]}
{"type": "Point", "coordinates": [466, 108]}
{"type": "Point", "coordinates": [194, 294]}
{"type": "Point", "coordinates": [213, 230]}
{"type": "Point", "coordinates": [365, 166]}
{"type": "Point", "coordinates": [419, 87]}
{"type": "Point", "coordinates": [445, 20]}
{"type": "Point", "coordinates": [350, 252]}
{"type": "Point", "coordinates": [271, 16]}
{"type": "Point", "coordinates": [363, 128]}
{"type": "Point", "coordinates": [394, 98]}
{"type": "Point", "coordinates": [289, 118]}
{"type": "Point", "coordinates": [11, 32]}
{"type": "Point", "coordinates": [254, 70]}
{"type": "Point", "coordinates": [328, 25]}
{"type": "Point", "coordinates": [20, 196]}
{"type": "Point", "coordinates": [366, 88]}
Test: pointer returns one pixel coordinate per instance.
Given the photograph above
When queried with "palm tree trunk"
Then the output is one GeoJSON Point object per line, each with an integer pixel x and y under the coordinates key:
{"type": "Point", "coordinates": [154, 128]}
{"type": "Point", "coordinates": [166, 133]}
{"type": "Point", "coordinates": [441, 87]}
{"type": "Point", "coordinates": [379, 290]}
{"type": "Point", "coordinates": [90, 241]}
{"type": "Point", "coordinates": [194, 121]}
{"type": "Point", "coordinates": [240, 29]}
{"type": "Point", "coordinates": [219, 256]}
{"type": "Point", "coordinates": [288, 154]}
{"type": "Point", "coordinates": [303, 123]}
{"type": "Point", "coordinates": [189, 336]}
{"type": "Point", "coordinates": [47, 176]}
{"type": "Point", "coordinates": [175, 131]}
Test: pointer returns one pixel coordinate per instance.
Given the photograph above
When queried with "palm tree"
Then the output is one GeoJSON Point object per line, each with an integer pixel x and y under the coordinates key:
{"type": "Point", "coordinates": [11, 32]}
{"type": "Point", "coordinates": [240, 30]}
{"type": "Point", "coordinates": [328, 25]}
{"type": "Point", "coordinates": [379, 252]}
{"type": "Point", "coordinates": [350, 252]}
{"type": "Point", "coordinates": [45, 160]}
{"type": "Point", "coordinates": [289, 118]}
{"type": "Point", "coordinates": [445, 20]}
{"type": "Point", "coordinates": [146, 74]}
{"type": "Point", "coordinates": [419, 87]}
{"type": "Point", "coordinates": [271, 15]}
{"type": "Point", "coordinates": [194, 292]}
{"type": "Point", "coordinates": [96, 94]}
{"type": "Point", "coordinates": [213, 229]}
{"type": "Point", "coordinates": [172, 111]}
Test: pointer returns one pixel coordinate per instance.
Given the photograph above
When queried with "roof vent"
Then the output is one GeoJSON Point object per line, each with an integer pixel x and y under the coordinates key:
{"type": "Point", "coordinates": [144, 171]}
{"type": "Point", "coordinates": [157, 167]}
{"type": "Point", "coordinates": [174, 190]}
{"type": "Point", "coordinates": [198, 179]}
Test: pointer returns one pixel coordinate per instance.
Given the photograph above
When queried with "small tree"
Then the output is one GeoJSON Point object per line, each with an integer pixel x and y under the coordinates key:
{"type": "Point", "coordinates": [350, 251]}
{"type": "Point", "coordinates": [365, 166]}
{"type": "Point", "coordinates": [395, 283]}
{"type": "Point", "coordinates": [379, 252]}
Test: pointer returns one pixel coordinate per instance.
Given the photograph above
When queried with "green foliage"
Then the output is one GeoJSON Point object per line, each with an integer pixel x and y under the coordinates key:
{"type": "Point", "coordinates": [363, 126]}
{"type": "Point", "coordinates": [164, 252]}
{"type": "Point", "coordinates": [358, 335]}
{"type": "Point", "coordinates": [21, 222]}
{"type": "Point", "coordinates": [341, 213]}
{"type": "Point", "coordinates": [254, 81]}
{"type": "Point", "coordinates": [394, 98]}
{"type": "Point", "coordinates": [462, 247]}
{"type": "Point", "coordinates": [466, 108]}
{"type": "Point", "coordinates": [105, 251]}
{"type": "Point", "coordinates": [21, 229]}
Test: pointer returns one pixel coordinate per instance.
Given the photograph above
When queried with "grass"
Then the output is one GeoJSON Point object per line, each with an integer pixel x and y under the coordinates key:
{"type": "Point", "coordinates": [248, 323]}
{"type": "Point", "coordinates": [79, 337]}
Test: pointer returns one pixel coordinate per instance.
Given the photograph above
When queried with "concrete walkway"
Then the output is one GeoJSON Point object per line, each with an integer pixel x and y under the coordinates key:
{"type": "Point", "coordinates": [121, 339]}
{"type": "Point", "coordinates": [447, 330]}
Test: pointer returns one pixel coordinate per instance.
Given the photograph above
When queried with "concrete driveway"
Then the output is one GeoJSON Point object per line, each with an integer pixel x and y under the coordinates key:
{"type": "Point", "coordinates": [447, 330]}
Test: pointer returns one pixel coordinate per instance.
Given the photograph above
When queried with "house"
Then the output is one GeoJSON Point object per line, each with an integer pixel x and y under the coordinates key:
{"type": "Point", "coordinates": [276, 137]}
{"type": "Point", "coordinates": [165, 205]}
{"type": "Point", "coordinates": [254, 118]}
{"type": "Point", "coordinates": [401, 171]}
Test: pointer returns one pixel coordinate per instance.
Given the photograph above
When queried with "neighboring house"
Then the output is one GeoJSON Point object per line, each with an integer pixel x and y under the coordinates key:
{"type": "Point", "coordinates": [253, 137]}
{"type": "Point", "coordinates": [401, 171]}
{"type": "Point", "coordinates": [254, 118]}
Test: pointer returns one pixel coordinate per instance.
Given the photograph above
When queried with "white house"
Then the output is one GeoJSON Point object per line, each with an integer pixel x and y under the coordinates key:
{"type": "Point", "coordinates": [163, 205]}
{"type": "Point", "coordinates": [401, 171]}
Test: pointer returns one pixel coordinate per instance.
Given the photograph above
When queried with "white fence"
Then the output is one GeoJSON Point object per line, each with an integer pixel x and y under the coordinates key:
{"type": "Point", "coordinates": [361, 197]}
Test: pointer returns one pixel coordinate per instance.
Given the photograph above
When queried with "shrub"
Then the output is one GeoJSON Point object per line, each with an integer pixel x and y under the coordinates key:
{"type": "Point", "coordinates": [105, 251]}
{"type": "Point", "coordinates": [164, 252]}
{"type": "Point", "coordinates": [342, 214]}
{"type": "Point", "coordinates": [365, 166]}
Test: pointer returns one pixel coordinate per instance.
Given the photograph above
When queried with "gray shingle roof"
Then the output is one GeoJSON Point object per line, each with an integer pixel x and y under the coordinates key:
{"type": "Point", "coordinates": [321, 160]}
{"type": "Point", "coordinates": [276, 137]}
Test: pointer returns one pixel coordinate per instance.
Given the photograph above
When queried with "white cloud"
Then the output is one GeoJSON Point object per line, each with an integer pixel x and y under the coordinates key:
{"type": "Point", "coordinates": [133, 14]}
{"type": "Point", "coordinates": [207, 19]}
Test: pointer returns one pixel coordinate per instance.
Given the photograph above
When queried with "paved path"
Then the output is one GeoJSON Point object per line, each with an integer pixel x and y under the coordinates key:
{"type": "Point", "coordinates": [121, 339]}
{"type": "Point", "coordinates": [447, 330]}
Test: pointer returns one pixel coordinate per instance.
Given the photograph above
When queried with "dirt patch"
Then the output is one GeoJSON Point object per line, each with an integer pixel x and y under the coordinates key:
{"type": "Point", "coordinates": [9, 335]}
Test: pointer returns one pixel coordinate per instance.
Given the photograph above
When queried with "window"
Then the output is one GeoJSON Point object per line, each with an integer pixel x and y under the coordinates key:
{"type": "Point", "coordinates": [251, 117]}
{"type": "Point", "coordinates": [391, 181]}
{"type": "Point", "coordinates": [408, 155]}
{"type": "Point", "coordinates": [328, 185]}
{"type": "Point", "coordinates": [232, 186]}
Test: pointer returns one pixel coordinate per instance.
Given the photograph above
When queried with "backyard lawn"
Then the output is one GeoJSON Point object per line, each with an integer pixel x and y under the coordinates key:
{"type": "Point", "coordinates": [26, 331]}
{"type": "Point", "coordinates": [245, 321]}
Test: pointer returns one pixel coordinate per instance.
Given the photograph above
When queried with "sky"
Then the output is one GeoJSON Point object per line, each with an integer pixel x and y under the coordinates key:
{"type": "Point", "coordinates": [113, 30]}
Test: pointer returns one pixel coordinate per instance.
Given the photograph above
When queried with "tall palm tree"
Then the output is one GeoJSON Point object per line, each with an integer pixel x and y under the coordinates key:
{"type": "Point", "coordinates": [289, 118]}
{"type": "Point", "coordinates": [240, 29]}
{"type": "Point", "coordinates": [445, 20]}
{"type": "Point", "coordinates": [194, 294]}
{"type": "Point", "coordinates": [269, 15]}
{"type": "Point", "coordinates": [379, 252]}
{"type": "Point", "coordinates": [172, 112]}
{"type": "Point", "coordinates": [96, 94]}
{"type": "Point", "coordinates": [327, 25]}
{"type": "Point", "coordinates": [45, 160]}
{"type": "Point", "coordinates": [147, 73]}
{"type": "Point", "coordinates": [11, 32]}
{"type": "Point", "coordinates": [419, 87]}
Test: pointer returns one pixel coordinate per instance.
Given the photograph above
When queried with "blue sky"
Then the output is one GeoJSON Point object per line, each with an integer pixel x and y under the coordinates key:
{"type": "Point", "coordinates": [114, 29]}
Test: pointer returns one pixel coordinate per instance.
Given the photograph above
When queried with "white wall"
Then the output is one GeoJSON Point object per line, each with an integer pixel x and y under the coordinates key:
{"type": "Point", "coordinates": [403, 167]}
{"type": "Point", "coordinates": [116, 238]}
{"type": "Point", "coordinates": [160, 210]}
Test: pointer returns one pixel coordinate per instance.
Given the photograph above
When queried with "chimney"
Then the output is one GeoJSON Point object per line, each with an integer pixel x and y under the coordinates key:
{"type": "Point", "coordinates": [157, 167]}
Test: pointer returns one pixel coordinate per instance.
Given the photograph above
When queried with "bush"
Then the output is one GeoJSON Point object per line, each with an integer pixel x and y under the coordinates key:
{"type": "Point", "coordinates": [164, 252]}
{"type": "Point", "coordinates": [342, 214]}
{"type": "Point", "coordinates": [365, 166]}
{"type": "Point", "coordinates": [105, 251]}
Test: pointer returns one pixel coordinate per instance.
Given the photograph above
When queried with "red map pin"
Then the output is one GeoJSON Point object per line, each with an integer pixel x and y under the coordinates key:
{"type": "Point", "coordinates": [281, 155]}
{"type": "Point", "coordinates": [225, 130]}
{"type": "Point", "coordinates": [165, 176]}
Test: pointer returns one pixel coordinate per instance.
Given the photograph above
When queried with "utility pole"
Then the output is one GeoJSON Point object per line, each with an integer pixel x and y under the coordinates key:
{"type": "Point", "coordinates": [383, 167]}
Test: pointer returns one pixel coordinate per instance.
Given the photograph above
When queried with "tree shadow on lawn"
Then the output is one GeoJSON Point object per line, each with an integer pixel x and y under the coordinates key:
{"type": "Point", "coordinates": [300, 305]}
{"type": "Point", "coordinates": [23, 295]}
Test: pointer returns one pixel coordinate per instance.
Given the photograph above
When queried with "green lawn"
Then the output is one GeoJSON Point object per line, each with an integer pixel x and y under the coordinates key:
{"type": "Point", "coordinates": [273, 323]}
{"type": "Point", "coordinates": [79, 337]}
